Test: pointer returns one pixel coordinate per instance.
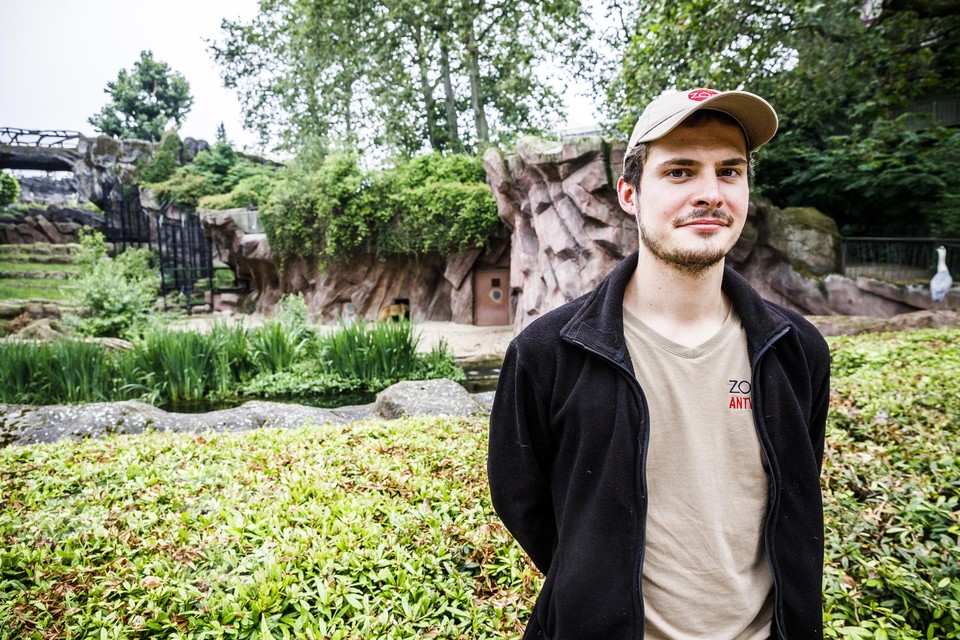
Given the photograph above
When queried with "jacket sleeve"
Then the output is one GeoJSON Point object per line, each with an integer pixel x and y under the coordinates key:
{"type": "Point", "coordinates": [518, 460]}
{"type": "Point", "coordinates": [821, 401]}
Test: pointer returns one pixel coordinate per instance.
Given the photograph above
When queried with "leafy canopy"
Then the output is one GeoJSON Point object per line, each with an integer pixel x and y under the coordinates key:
{"type": "Point", "coordinates": [400, 76]}
{"type": "Point", "coordinates": [144, 101]}
{"type": "Point", "coordinates": [838, 77]}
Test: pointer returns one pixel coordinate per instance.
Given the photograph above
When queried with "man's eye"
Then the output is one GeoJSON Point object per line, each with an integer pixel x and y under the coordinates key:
{"type": "Point", "coordinates": [677, 173]}
{"type": "Point", "coordinates": [729, 173]}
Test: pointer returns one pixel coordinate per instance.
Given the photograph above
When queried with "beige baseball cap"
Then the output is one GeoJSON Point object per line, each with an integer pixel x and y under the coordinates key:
{"type": "Point", "coordinates": [663, 115]}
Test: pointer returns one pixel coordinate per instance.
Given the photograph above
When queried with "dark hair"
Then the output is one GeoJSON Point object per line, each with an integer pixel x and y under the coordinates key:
{"type": "Point", "coordinates": [633, 161]}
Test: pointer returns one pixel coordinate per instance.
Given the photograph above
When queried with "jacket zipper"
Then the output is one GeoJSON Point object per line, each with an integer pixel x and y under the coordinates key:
{"type": "Point", "coordinates": [645, 424]}
{"type": "Point", "coordinates": [774, 489]}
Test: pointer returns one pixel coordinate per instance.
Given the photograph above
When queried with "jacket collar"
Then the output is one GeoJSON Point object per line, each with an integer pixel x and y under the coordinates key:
{"type": "Point", "coordinates": [598, 324]}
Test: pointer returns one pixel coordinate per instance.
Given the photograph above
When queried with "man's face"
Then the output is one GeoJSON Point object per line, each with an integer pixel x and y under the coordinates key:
{"type": "Point", "coordinates": [693, 196]}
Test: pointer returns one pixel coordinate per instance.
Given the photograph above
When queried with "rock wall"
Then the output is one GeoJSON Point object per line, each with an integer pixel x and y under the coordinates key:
{"type": "Point", "coordinates": [568, 231]}
{"type": "Point", "coordinates": [434, 287]}
{"type": "Point", "coordinates": [54, 225]}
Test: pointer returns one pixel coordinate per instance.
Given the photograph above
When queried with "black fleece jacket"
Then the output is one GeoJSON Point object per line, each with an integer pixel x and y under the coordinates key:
{"type": "Point", "coordinates": [567, 450]}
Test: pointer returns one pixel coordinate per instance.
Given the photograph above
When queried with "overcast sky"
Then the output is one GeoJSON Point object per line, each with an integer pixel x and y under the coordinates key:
{"type": "Point", "coordinates": [56, 57]}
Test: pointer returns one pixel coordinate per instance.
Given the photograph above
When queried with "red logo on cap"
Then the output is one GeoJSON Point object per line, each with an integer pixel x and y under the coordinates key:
{"type": "Point", "coordinates": [701, 94]}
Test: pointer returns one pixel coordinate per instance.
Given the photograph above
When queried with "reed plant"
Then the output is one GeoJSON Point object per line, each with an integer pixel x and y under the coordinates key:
{"type": "Point", "coordinates": [64, 371]}
{"type": "Point", "coordinates": [378, 351]}
{"type": "Point", "coordinates": [274, 347]}
{"type": "Point", "coordinates": [180, 365]}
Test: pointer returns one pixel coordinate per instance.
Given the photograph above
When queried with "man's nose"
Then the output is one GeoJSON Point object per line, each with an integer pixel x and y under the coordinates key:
{"type": "Point", "coordinates": [708, 194]}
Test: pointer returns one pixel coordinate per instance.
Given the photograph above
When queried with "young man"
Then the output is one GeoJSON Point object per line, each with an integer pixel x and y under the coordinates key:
{"type": "Point", "coordinates": [655, 445]}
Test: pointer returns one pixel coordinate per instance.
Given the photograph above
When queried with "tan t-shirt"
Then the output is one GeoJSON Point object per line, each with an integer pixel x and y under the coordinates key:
{"type": "Point", "coordinates": [705, 571]}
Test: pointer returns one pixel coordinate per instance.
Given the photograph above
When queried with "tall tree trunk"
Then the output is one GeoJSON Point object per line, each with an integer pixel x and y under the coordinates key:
{"type": "Point", "coordinates": [472, 59]}
{"type": "Point", "coordinates": [449, 99]}
{"type": "Point", "coordinates": [429, 104]}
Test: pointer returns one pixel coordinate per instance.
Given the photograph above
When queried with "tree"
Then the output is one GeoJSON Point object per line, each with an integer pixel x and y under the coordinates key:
{"type": "Point", "coordinates": [400, 76]}
{"type": "Point", "coordinates": [836, 74]}
{"type": "Point", "coordinates": [144, 101]}
{"type": "Point", "coordinates": [9, 189]}
{"type": "Point", "coordinates": [823, 64]}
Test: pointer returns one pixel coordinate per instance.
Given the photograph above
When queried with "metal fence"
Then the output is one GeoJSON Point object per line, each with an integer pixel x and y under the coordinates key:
{"type": "Point", "coordinates": [186, 259]}
{"type": "Point", "coordinates": [896, 259]}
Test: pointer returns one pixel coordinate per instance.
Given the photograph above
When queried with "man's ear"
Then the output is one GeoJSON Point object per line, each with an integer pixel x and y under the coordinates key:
{"type": "Point", "coordinates": [627, 196]}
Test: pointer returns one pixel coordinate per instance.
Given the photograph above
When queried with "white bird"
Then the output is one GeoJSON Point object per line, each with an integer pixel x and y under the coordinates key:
{"type": "Point", "coordinates": [941, 281]}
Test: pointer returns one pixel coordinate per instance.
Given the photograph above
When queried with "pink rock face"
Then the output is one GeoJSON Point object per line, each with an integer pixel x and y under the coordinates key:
{"type": "Point", "coordinates": [568, 229]}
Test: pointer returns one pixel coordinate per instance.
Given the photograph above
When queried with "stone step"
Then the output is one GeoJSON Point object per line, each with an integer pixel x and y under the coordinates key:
{"type": "Point", "coordinates": [40, 248]}
{"type": "Point", "coordinates": [37, 275]}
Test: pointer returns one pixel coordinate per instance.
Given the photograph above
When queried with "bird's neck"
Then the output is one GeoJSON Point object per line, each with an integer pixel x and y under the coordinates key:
{"type": "Point", "coordinates": [942, 261]}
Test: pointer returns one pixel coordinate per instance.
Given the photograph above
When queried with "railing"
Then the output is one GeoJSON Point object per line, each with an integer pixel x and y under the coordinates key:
{"type": "Point", "coordinates": [39, 137]}
{"type": "Point", "coordinates": [896, 259]}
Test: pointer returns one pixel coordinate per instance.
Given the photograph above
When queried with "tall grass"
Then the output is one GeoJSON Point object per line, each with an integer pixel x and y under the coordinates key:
{"type": "Point", "coordinates": [279, 359]}
{"type": "Point", "coordinates": [381, 351]}
{"type": "Point", "coordinates": [63, 371]}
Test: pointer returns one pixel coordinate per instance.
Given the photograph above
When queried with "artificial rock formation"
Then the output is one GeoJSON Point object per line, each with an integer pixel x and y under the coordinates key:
{"type": "Point", "coordinates": [568, 231]}
{"type": "Point", "coordinates": [432, 286]}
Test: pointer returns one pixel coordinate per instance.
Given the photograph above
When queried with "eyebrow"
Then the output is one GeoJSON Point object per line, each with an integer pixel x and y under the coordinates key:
{"type": "Point", "coordinates": [685, 162]}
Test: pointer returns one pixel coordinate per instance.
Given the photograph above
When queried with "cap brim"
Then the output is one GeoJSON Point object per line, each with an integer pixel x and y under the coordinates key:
{"type": "Point", "coordinates": [755, 115]}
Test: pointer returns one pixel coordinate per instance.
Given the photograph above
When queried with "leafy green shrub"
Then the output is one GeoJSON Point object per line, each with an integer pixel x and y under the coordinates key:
{"type": "Point", "coordinates": [9, 189]}
{"type": "Point", "coordinates": [431, 203]}
{"type": "Point", "coordinates": [164, 161]}
{"type": "Point", "coordinates": [883, 179]}
{"type": "Point", "coordinates": [185, 188]}
{"type": "Point", "coordinates": [115, 296]}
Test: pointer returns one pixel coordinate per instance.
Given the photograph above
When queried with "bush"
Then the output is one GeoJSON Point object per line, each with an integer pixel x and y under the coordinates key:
{"type": "Point", "coordinates": [885, 179]}
{"type": "Point", "coordinates": [433, 203]}
{"type": "Point", "coordinates": [9, 189]}
{"type": "Point", "coordinates": [115, 296]}
{"type": "Point", "coordinates": [164, 161]}
{"type": "Point", "coordinates": [892, 487]}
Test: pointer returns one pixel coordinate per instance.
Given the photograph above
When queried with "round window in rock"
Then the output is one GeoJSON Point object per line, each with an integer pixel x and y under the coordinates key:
{"type": "Point", "coordinates": [496, 295]}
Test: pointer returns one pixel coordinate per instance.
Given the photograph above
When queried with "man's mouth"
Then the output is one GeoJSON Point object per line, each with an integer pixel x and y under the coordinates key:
{"type": "Point", "coordinates": [706, 219]}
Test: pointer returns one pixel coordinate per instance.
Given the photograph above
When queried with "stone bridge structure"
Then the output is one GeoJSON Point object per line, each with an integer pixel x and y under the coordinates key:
{"type": "Point", "coordinates": [101, 164]}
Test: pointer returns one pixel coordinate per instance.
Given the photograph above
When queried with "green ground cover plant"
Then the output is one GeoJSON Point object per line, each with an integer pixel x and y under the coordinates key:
{"type": "Point", "coordinates": [374, 530]}
{"type": "Point", "coordinates": [892, 486]}
{"type": "Point", "coordinates": [383, 529]}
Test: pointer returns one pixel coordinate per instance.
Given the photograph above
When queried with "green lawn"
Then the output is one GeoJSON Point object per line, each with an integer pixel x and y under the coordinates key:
{"type": "Point", "coordinates": [35, 289]}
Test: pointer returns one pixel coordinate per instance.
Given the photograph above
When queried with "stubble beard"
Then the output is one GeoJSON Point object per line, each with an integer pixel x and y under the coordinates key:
{"type": "Point", "coordinates": [692, 262]}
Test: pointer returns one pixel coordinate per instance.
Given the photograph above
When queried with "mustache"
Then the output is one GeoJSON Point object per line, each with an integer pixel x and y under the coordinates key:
{"type": "Point", "coordinates": [700, 214]}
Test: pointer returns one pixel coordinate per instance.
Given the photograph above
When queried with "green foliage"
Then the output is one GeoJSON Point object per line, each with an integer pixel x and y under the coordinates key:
{"type": "Point", "coordinates": [445, 75]}
{"type": "Point", "coordinates": [144, 101]}
{"type": "Point", "coordinates": [830, 75]}
{"type": "Point", "coordinates": [888, 178]}
{"type": "Point", "coordinates": [373, 530]}
{"type": "Point", "coordinates": [284, 358]}
{"type": "Point", "coordinates": [115, 295]}
{"type": "Point", "coordinates": [385, 529]}
{"type": "Point", "coordinates": [892, 487]}
{"type": "Point", "coordinates": [431, 203]}
{"type": "Point", "coordinates": [164, 161]}
{"type": "Point", "coordinates": [217, 179]}
{"type": "Point", "coordinates": [9, 189]}
{"type": "Point", "coordinates": [63, 371]}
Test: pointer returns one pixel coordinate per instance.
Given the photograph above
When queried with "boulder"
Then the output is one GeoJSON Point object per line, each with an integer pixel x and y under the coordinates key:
{"type": "Point", "coordinates": [25, 425]}
{"type": "Point", "coordinates": [809, 238]}
{"type": "Point", "coordinates": [426, 398]}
